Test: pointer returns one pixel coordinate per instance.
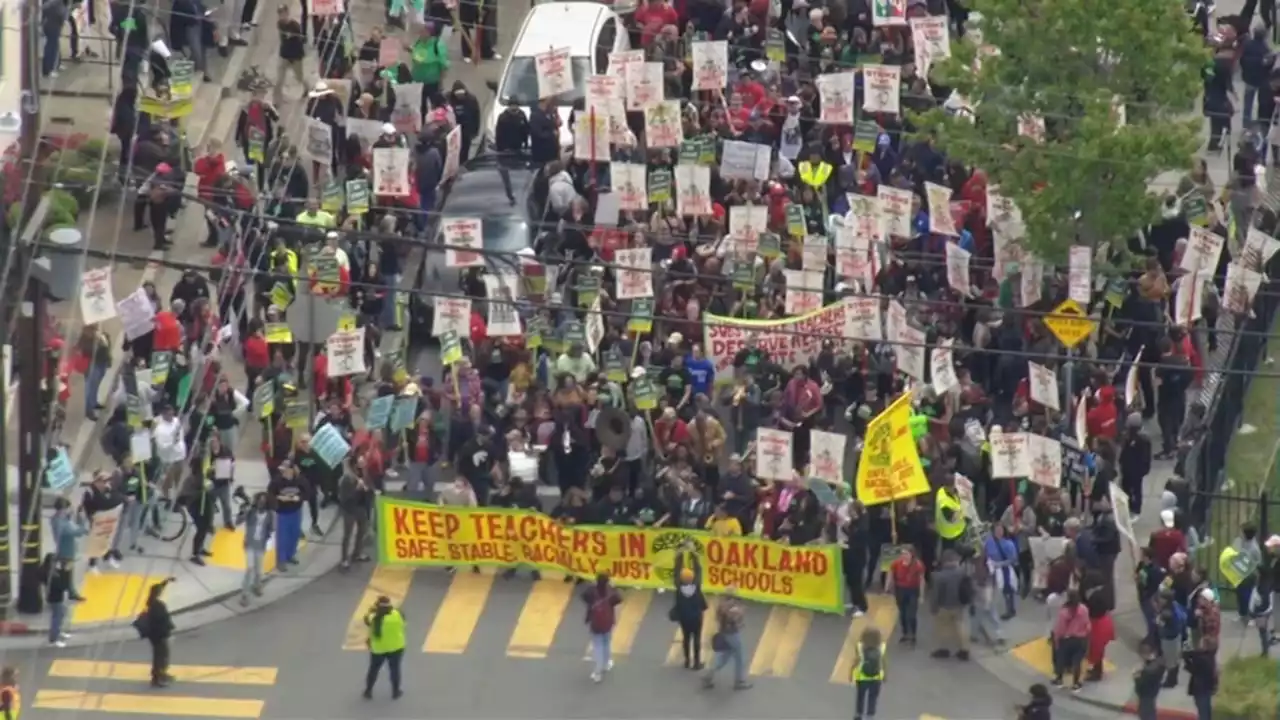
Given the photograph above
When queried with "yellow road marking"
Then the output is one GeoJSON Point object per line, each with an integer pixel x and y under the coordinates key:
{"type": "Point", "coordinates": [635, 603]}
{"type": "Point", "coordinates": [1038, 655]}
{"type": "Point", "coordinates": [141, 672]}
{"type": "Point", "coordinates": [112, 596]}
{"type": "Point", "coordinates": [779, 648]}
{"type": "Point", "coordinates": [882, 614]}
{"type": "Point", "coordinates": [543, 610]}
{"type": "Point", "coordinates": [459, 613]}
{"type": "Point", "coordinates": [150, 704]}
{"type": "Point", "coordinates": [386, 580]}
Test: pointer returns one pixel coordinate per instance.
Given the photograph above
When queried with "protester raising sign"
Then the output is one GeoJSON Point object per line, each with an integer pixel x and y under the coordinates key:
{"type": "Point", "coordinates": [554, 73]}
{"type": "Point", "coordinates": [773, 454]}
{"type": "Point", "coordinates": [463, 239]}
{"type": "Point", "coordinates": [631, 185]}
{"type": "Point", "coordinates": [932, 40]}
{"type": "Point", "coordinates": [345, 352]}
{"type": "Point", "coordinates": [710, 65]}
{"type": "Point", "coordinates": [836, 93]}
{"type": "Point", "coordinates": [881, 85]}
{"type": "Point", "coordinates": [97, 301]}
{"type": "Point", "coordinates": [644, 86]}
{"type": "Point", "coordinates": [693, 190]}
{"type": "Point", "coordinates": [451, 315]}
{"type": "Point", "coordinates": [663, 124]}
{"type": "Point", "coordinates": [634, 274]}
{"type": "Point", "coordinates": [391, 172]}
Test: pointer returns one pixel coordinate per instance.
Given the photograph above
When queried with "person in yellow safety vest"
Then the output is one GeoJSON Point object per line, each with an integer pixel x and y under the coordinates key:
{"type": "Point", "coordinates": [948, 516]}
{"type": "Point", "coordinates": [284, 261]}
{"type": "Point", "coordinates": [815, 172]}
{"type": "Point", "coordinates": [10, 698]}
{"type": "Point", "coordinates": [313, 216]}
{"type": "Point", "coordinates": [386, 645]}
{"type": "Point", "coordinates": [868, 672]}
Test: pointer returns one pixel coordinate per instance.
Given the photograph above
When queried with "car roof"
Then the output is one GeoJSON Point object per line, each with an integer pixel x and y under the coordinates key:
{"type": "Point", "coordinates": [556, 25]}
{"type": "Point", "coordinates": [479, 193]}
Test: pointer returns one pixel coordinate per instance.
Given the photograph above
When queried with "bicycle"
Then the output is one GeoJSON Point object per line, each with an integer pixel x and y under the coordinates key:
{"type": "Point", "coordinates": [173, 517]}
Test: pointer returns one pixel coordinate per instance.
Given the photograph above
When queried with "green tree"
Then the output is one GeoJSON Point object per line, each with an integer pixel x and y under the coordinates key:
{"type": "Point", "coordinates": [1072, 63]}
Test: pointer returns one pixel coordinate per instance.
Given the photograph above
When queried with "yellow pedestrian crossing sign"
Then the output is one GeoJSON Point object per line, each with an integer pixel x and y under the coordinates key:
{"type": "Point", "coordinates": [1069, 323]}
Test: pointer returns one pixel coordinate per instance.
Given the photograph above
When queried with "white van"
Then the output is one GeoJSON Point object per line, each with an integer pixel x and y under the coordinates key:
{"type": "Point", "coordinates": [590, 30]}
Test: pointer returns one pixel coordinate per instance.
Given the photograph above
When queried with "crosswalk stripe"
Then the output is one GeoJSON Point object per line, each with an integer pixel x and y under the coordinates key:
{"type": "Point", "coordinates": [151, 704]}
{"type": "Point", "coordinates": [387, 580]}
{"type": "Point", "coordinates": [675, 655]}
{"type": "Point", "coordinates": [459, 613]}
{"type": "Point", "coordinates": [635, 605]}
{"type": "Point", "coordinates": [141, 672]}
{"type": "Point", "coordinates": [543, 610]}
{"type": "Point", "coordinates": [882, 613]}
{"type": "Point", "coordinates": [779, 646]}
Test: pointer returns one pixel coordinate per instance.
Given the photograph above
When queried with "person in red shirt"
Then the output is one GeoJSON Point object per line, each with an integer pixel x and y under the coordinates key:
{"type": "Point", "coordinates": [652, 17]}
{"type": "Point", "coordinates": [1168, 540]}
{"type": "Point", "coordinates": [257, 357]}
{"type": "Point", "coordinates": [421, 442]}
{"type": "Point", "coordinates": [167, 337]}
{"type": "Point", "coordinates": [209, 167]}
{"type": "Point", "coordinates": [1101, 419]}
{"type": "Point", "coordinates": [669, 431]}
{"type": "Point", "coordinates": [906, 577]}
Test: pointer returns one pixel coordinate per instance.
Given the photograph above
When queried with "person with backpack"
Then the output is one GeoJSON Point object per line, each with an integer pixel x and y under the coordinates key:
{"type": "Point", "coordinates": [1070, 640]}
{"type": "Point", "coordinates": [868, 672]}
{"type": "Point", "coordinates": [1171, 626]}
{"type": "Point", "coordinates": [386, 645]}
{"type": "Point", "coordinates": [155, 625]}
{"type": "Point", "coordinates": [727, 642]}
{"type": "Point", "coordinates": [952, 591]}
{"type": "Point", "coordinates": [602, 600]}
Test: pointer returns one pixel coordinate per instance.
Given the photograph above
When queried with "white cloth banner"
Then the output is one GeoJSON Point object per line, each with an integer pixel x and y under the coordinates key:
{"type": "Point", "coordinates": [710, 65]}
{"type": "Point", "coordinates": [634, 273]}
{"type": "Point", "coordinates": [773, 454]}
{"type": "Point", "coordinates": [880, 88]}
{"type": "Point", "coordinates": [345, 352]}
{"type": "Point", "coordinates": [1042, 385]}
{"type": "Point", "coordinates": [554, 73]}
{"type": "Point", "coordinates": [451, 315]}
{"type": "Point", "coordinates": [463, 240]}
{"type": "Point", "coordinates": [836, 93]}
{"type": "Point", "coordinates": [97, 300]}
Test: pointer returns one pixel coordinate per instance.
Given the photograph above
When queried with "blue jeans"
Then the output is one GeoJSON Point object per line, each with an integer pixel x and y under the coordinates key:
{"type": "Point", "coordinates": [288, 532]}
{"type": "Point", "coordinates": [734, 653]}
{"type": "Point", "coordinates": [52, 51]}
{"type": "Point", "coordinates": [1250, 95]}
{"type": "Point", "coordinates": [1204, 706]}
{"type": "Point", "coordinates": [908, 609]}
{"type": "Point", "coordinates": [867, 694]}
{"type": "Point", "coordinates": [134, 517]}
{"type": "Point", "coordinates": [601, 651]}
{"type": "Point", "coordinates": [427, 204]}
{"type": "Point", "coordinates": [252, 581]}
{"type": "Point", "coordinates": [57, 618]}
{"type": "Point", "coordinates": [92, 382]}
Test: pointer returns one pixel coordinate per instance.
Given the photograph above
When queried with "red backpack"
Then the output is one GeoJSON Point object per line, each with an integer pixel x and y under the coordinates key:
{"type": "Point", "coordinates": [600, 614]}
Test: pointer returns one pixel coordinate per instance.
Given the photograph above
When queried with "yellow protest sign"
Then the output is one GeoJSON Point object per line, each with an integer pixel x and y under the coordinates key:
{"type": "Point", "coordinates": [347, 323]}
{"type": "Point", "coordinates": [418, 534]}
{"type": "Point", "coordinates": [1069, 323]}
{"type": "Point", "coordinates": [889, 468]}
{"type": "Point", "coordinates": [278, 334]}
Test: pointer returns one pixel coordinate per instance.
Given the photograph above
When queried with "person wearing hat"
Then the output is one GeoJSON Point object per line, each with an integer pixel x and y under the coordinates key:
{"type": "Point", "coordinates": [256, 130]}
{"type": "Point", "coordinates": [1167, 540]}
{"type": "Point", "coordinates": [323, 104]}
{"type": "Point", "coordinates": [386, 645]}
{"type": "Point", "coordinates": [1134, 461]}
{"type": "Point", "coordinates": [689, 608]}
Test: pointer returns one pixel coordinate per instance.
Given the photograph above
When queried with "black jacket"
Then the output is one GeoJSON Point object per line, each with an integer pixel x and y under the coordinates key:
{"type": "Point", "coordinates": [512, 132]}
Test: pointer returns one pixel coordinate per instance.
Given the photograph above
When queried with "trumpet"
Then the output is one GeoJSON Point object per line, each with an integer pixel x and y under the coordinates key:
{"type": "Point", "coordinates": [739, 394]}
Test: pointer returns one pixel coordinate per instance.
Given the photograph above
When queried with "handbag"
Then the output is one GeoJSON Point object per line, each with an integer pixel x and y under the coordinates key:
{"type": "Point", "coordinates": [719, 642]}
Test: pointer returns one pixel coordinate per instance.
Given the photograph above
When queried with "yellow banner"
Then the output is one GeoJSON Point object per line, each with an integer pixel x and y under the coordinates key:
{"type": "Point", "coordinates": [889, 468]}
{"type": "Point", "coordinates": [412, 533]}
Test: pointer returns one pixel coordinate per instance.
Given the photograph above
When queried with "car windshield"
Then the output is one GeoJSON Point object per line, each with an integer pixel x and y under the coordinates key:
{"type": "Point", "coordinates": [520, 86]}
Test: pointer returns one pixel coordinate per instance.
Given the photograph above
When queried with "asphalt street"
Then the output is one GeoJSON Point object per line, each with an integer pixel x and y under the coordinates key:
{"type": "Point", "coordinates": [289, 660]}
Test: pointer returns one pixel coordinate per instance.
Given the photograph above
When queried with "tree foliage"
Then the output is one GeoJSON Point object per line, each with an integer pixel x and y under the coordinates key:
{"type": "Point", "coordinates": [1072, 63]}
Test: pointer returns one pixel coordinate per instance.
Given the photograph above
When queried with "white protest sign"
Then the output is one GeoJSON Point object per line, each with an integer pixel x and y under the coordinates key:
{"type": "Point", "coordinates": [693, 189]}
{"type": "Point", "coordinates": [958, 269]}
{"type": "Point", "coordinates": [1239, 288]}
{"type": "Point", "coordinates": [319, 145]}
{"type": "Point", "coordinates": [663, 125]}
{"type": "Point", "coordinates": [591, 137]}
{"type": "Point", "coordinates": [835, 90]}
{"type": "Point", "coordinates": [1131, 381]}
{"type": "Point", "coordinates": [1010, 456]}
{"type": "Point", "coordinates": [931, 39]}
{"type": "Point", "coordinates": [451, 315]}
{"type": "Point", "coordinates": [910, 350]}
{"type": "Point", "coordinates": [345, 352]}
{"type": "Point", "coordinates": [773, 454]}
{"type": "Point", "coordinates": [644, 85]}
{"type": "Point", "coordinates": [634, 273]}
{"type": "Point", "coordinates": [391, 172]}
{"type": "Point", "coordinates": [895, 211]}
{"type": "Point", "coordinates": [631, 185]}
{"type": "Point", "coordinates": [463, 240]}
{"type": "Point", "coordinates": [862, 319]}
{"type": "Point", "coordinates": [1124, 515]}
{"type": "Point", "coordinates": [710, 65]}
{"type": "Point", "coordinates": [555, 76]}
{"type": "Point", "coordinates": [101, 531]}
{"type": "Point", "coordinates": [940, 220]}
{"type": "Point", "coordinates": [1203, 251]}
{"type": "Point", "coordinates": [97, 300]}
{"type": "Point", "coordinates": [1042, 385]}
{"type": "Point", "coordinates": [745, 161]}
{"type": "Point", "coordinates": [1080, 274]}
{"type": "Point", "coordinates": [942, 367]}
{"type": "Point", "coordinates": [1259, 247]}
{"type": "Point", "coordinates": [826, 456]}
{"type": "Point", "coordinates": [881, 85]}
{"type": "Point", "coordinates": [1045, 459]}
{"type": "Point", "coordinates": [137, 314]}
{"type": "Point", "coordinates": [746, 223]}
{"type": "Point", "coordinates": [618, 62]}
{"type": "Point", "coordinates": [804, 291]}
{"type": "Point", "coordinates": [503, 320]}
{"type": "Point", "coordinates": [1031, 280]}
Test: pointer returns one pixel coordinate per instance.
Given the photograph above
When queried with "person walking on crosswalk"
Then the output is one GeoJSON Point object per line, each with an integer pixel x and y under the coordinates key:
{"type": "Point", "coordinates": [727, 642]}
{"type": "Point", "coordinates": [386, 645]}
{"type": "Point", "coordinates": [868, 672]}
{"type": "Point", "coordinates": [10, 699]}
{"type": "Point", "coordinates": [687, 612]}
{"type": "Point", "coordinates": [602, 600]}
